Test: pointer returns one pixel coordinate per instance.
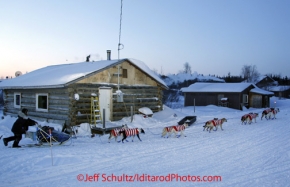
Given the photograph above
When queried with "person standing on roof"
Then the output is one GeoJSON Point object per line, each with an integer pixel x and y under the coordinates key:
{"type": "Point", "coordinates": [19, 127]}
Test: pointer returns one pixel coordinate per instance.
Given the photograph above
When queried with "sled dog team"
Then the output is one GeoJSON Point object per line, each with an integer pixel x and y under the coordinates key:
{"type": "Point", "coordinates": [124, 131]}
{"type": "Point", "coordinates": [267, 113]}
{"type": "Point", "coordinates": [247, 118]}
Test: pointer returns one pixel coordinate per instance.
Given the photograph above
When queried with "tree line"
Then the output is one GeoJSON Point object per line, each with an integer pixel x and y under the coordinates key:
{"type": "Point", "coordinates": [249, 73]}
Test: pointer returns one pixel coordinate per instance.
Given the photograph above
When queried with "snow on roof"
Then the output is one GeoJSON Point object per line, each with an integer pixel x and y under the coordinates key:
{"type": "Point", "coordinates": [216, 87]}
{"type": "Point", "coordinates": [260, 78]}
{"type": "Point", "coordinates": [278, 88]}
{"type": "Point", "coordinates": [224, 87]}
{"type": "Point", "coordinates": [61, 75]}
{"type": "Point", "coordinates": [261, 91]}
{"type": "Point", "coordinates": [147, 70]}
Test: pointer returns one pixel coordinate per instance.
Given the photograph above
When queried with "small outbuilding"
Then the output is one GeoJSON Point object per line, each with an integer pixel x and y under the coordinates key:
{"type": "Point", "coordinates": [281, 91]}
{"type": "Point", "coordinates": [232, 95]}
{"type": "Point", "coordinates": [264, 81]}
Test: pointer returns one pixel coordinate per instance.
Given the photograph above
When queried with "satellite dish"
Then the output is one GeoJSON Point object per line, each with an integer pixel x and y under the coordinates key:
{"type": "Point", "coordinates": [18, 73]}
{"type": "Point", "coordinates": [77, 97]}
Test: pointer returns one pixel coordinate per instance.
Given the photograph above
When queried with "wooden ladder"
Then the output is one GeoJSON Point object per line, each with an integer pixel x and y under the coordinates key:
{"type": "Point", "coordinates": [95, 111]}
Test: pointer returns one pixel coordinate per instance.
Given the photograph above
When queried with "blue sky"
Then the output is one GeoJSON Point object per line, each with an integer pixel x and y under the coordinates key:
{"type": "Point", "coordinates": [215, 37]}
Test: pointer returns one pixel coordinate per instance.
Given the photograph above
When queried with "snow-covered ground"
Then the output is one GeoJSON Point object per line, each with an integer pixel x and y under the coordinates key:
{"type": "Point", "coordinates": [240, 155]}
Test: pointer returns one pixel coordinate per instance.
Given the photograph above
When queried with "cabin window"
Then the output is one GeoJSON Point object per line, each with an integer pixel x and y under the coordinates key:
{"type": "Point", "coordinates": [17, 100]}
{"type": "Point", "coordinates": [245, 98]}
{"type": "Point", "coordinates": [125, 75]}
{"type": "Point", "coordinates": [42, 102]}
{"type": "Point", "coordinates": [220, 96]}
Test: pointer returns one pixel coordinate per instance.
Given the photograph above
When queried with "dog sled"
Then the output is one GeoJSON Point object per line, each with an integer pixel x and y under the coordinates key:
{"type": "Point", "coordinates": [187, 119]}
{"type": "Point", "coordinates": [47, 135]}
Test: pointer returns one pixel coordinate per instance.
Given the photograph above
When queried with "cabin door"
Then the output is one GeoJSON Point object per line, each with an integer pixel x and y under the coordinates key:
{"type": "Point", "coordinates": [105, 101]}
{"type": "Point", "coordinates": [256, 101]}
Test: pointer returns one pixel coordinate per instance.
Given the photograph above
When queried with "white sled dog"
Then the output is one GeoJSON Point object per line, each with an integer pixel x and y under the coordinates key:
{"type": "Point", "coordinates": [179, 128]}
{"type": "Point", "coordinates": [174, 129]}
{"type": "Point", "coordinates": [269, 112]}
{"type": "Point", "coordinates": [167, 130]}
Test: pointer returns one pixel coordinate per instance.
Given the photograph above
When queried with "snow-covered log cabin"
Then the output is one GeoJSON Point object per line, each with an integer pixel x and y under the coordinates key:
{"type": "Point", "coordinates": [66, 92]}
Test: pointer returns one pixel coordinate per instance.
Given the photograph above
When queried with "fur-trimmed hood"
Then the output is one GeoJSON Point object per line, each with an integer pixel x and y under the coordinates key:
{"type": "Point", "coordinates": [21, 114]}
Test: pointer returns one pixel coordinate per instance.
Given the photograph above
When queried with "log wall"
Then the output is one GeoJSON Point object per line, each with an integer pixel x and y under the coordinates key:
{"type": "Point", "coordinates": [64, 108]}
{"type": "Point", "coordinates": [59, 104]}
{"type": "Point", "coordinates": [136, 96]}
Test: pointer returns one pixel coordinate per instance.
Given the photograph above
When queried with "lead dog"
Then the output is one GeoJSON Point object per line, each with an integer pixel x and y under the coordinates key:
{"type": "Point", "coordinates": [274, 112]}
{"type": "Point", "coordinates": [269, 112]}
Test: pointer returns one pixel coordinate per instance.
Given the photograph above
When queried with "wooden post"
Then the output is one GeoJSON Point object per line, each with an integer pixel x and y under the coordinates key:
{"type": "Point", "coordinates": [131, 113]}
{"type": "Point", "coordinates": [194, 104]}
{"type": "Point", "coordinates": [51, 147]}
{"type": "Point", "coordinates": [104, 120]}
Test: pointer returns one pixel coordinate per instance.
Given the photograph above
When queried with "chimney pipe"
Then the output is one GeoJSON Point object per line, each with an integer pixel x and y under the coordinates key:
{"type": "Point", "coordinates": [108, 54]}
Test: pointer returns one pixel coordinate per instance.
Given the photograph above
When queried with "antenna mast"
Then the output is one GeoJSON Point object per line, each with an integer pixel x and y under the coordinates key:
{"type": "Point", "coordinates": [120, 46]}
